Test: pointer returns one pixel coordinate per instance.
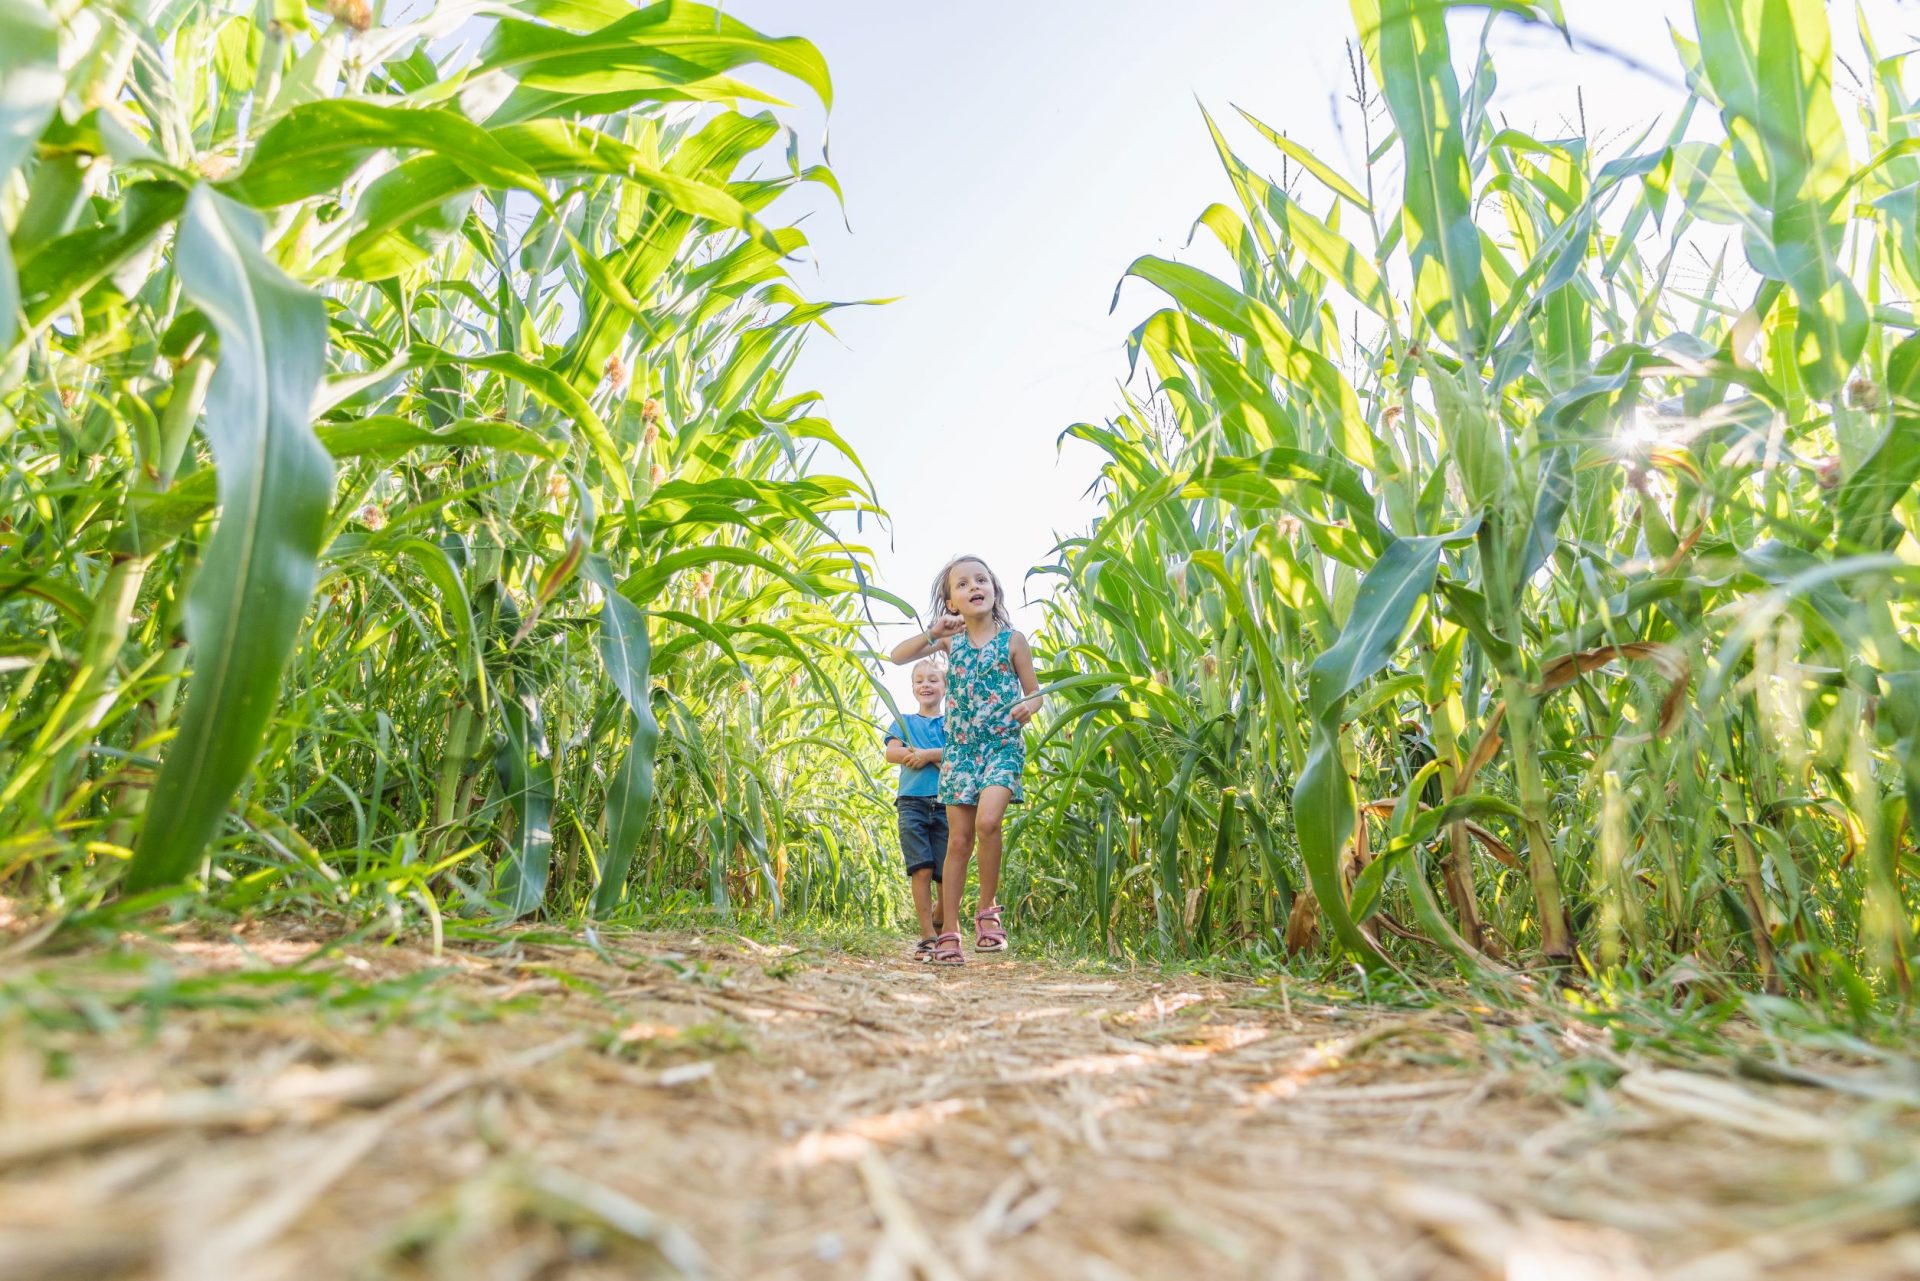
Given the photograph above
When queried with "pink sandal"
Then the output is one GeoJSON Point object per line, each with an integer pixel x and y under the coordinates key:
{"type": "Point", "coordinates": [988, 936]}
{"type": "Point", "coordinates": [946, 950]}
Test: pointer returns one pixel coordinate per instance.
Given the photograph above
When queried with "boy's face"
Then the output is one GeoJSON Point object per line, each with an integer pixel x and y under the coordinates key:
{"type": "Point", "coordinates": [929, 685]}
{"type": "Point", "coordinates": [970, 589]}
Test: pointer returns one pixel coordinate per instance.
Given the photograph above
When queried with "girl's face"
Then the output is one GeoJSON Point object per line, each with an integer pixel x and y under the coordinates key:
{"type": "Point", "coordinates": [970, 590]}
{"type": "Point", "coordinates": [929, 684]}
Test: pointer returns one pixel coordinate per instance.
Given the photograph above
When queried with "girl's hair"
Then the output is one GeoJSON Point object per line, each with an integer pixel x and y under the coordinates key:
{"type": "Point", "coordinates": [940, 586]}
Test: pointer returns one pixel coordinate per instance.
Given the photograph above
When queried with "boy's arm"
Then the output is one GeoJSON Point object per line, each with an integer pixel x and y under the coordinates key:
{"type": "Point", "coordinates": [901, 752]}
{"type": "Point", "coordinates": [1022, 655]}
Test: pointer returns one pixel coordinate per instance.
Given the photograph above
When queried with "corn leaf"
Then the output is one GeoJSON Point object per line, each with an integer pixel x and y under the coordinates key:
{"type": "Point", "coordinates": [1407, 47]}
{"type": "Point", "coordinates": [524, 765]}
{"type": "Point", "coordinates": [276, 482]}
{"type": "Point", "coordinates": [30, 86]}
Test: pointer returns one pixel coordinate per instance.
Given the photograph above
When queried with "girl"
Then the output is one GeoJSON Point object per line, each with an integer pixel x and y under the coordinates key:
{"type": "Point", "coordinates": [991, 695]}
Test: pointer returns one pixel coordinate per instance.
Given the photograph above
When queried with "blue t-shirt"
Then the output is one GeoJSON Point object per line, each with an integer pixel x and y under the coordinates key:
{"type": "Point", "coordinates": [916, 730]}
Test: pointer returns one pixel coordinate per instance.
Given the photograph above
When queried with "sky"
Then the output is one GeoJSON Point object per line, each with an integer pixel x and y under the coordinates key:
{"type": "Point", "coordinates": [1004, 162]}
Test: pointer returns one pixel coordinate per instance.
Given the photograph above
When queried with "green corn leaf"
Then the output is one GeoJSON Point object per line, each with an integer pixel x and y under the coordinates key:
{"type": "Point", "coordinates": [387, 436]}
{"type": "Point", "coordinates": [1429, 823]}
{"type": "Point", "coordinates": [1323, 247]}
{"type": "Point", "coordinates": [1553, 491]}
{"type": "Point", "coordinates": [1473, 436]}
{"type": "Point", "coordinates": [1323, 818]}
{"type": "Point", "coordinates": [276, 482]}
{"type": "Point", "coordinates": [1312, 164]}
{"type": "Point", "coordinates": [314, 148]}
{"type": "Point", "coordinates": [1887, 475]}
{"type": "Point", "coordinates": [64, 269]}
{"type": "Point", "coordinates": [30, 87]}
{"type": "Point", "coordinates": [1407, 47]}
{"type": "Point", "coordinates": [1296, 364]}
{"type": "Point", "coordinates": [1224, 837]}
{"type": "Point", "coordinates": [643, 587]}
{"type": "Point", "coordinates": [558, 394]}
{"type": "Point", "coordinates": [1246, 616]}
{"type": "Point", "coordinates": [1367, 886]}
{"type": "Point", "coordinates": [1384, 694]}
{"type": "Point", "coordinates": [524, 765]}
{"type": "Point", "coordinates": [1770, 66]}
{"type": "Point", "coordinates": [698, 630]}
{"type": "Point", "coordinates": [1173, 894]}
{"type": "Point", "coordinates": [1332, 253]}
{"type": "Point", "coordinates": [1176, 344]}
{"type": "Point", "coordinates": [1324, 806]}
{"type": "Point", "coordinates": [652, 245]}
{"type": "Point", "coordinates": [625, 652]}
{"type": "Point", "coordinates": [437, 567]}
{"type": "Point", "coordinates": [160, 516]}
{"type": "Point", "coordinates": [1265, 480]}
{"type": "Point", "coordinates": [1230, 229]}
{"type": "Point", "coordinates": [54, 592]}
{"type": "Point", "coordinates": [664, 50]}
{"type": "Point", "coordinates": [408, 212]}
{"type": "Point", "coordinates": [1382, 611]}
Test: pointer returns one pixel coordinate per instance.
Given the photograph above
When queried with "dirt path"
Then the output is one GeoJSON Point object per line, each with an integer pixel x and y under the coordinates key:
{"type": "Point", "coordinates": [688, 1106]}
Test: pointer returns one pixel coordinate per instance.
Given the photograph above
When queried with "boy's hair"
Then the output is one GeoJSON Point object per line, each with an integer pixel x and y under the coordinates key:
{"type": "Point", "coordinates": [940, 606]}
{"type": "Point", "coordinates": [935, 661]}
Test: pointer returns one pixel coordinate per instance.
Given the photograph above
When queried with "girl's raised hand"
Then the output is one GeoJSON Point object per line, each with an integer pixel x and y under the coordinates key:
{"type": "Point", "coordinates": [946, 625]}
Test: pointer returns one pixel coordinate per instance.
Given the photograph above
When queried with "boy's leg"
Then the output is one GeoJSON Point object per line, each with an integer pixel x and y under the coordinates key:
{"type": "Point", "coordinates": [986, 831]}
{"type": "Point", "coordinates": [922, 856]}
{"type": "Point", "coordinates": [922, 878]}
{"type": "Point", "coordinates": [953, 878]}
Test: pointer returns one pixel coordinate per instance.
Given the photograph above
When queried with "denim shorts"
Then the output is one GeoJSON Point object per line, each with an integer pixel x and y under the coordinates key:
{"type": "Point", "coordinates": [923, 833]}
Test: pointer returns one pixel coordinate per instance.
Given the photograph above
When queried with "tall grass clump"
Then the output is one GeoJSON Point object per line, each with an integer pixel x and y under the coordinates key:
{"type": "Point", "coordinates": [400, 477]}
{"type": "Point", "coordinates": [1512, 558]}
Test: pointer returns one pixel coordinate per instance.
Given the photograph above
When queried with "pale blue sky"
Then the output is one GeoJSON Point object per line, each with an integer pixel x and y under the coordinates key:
{"type": "Point", "coordinates": [1004, 162]}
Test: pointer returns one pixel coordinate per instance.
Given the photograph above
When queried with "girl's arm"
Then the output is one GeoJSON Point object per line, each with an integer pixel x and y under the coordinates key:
{"type": "Point", "coordinates": [1022, 655]}
{"type": "Point", "coordinates": [931, 641]}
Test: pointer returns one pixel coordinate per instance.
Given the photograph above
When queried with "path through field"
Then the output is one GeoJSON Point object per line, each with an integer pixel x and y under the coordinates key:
{"type": "Point", "coordinates": [689, 1106]}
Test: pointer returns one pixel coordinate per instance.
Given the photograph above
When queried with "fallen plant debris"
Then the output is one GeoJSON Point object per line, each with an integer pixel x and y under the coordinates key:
{"type": "Point", "coordinates": [664, 1108]}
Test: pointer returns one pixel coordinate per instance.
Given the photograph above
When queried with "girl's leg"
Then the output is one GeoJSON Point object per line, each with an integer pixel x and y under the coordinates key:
{"type": "Point", "coordinates": [986, 830]}
{"type": "Point", "coordinates": [953, 878]}
{"type": "Point", "coordinates": [937, 831]}
{"type": "Point", "coordinates": [923, 899]}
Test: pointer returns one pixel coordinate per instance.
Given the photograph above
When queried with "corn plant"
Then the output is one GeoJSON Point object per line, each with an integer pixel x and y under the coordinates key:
{"type": "Point", "coordinates": [1512, 561]}
{"type": "Point", "coordinates": [401, 477]}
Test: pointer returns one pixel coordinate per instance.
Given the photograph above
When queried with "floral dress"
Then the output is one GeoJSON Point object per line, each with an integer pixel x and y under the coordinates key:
{"type": "Point", "coordinates": [984, 748]}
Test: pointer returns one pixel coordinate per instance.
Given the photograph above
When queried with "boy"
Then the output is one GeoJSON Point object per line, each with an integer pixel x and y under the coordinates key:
{"type": "Point", "coordinates": [915, 744]}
